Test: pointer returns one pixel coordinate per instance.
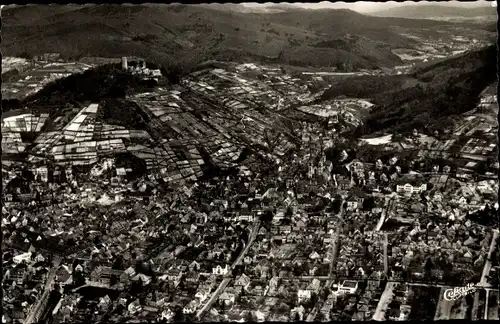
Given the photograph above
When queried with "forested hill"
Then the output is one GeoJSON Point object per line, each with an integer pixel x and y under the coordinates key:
{"type": "Point", "coordinates": [425, 99]}
{"type": "Point", "coordinates": [187, 35]}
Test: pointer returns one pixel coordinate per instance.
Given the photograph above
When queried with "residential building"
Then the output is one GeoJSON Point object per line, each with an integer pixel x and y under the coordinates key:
{"type": "Point", "coordinates": [202, 294]}
{"type": "Point", "coordinates": [348, 286]}
{"type": "Point", "coordinates": [411, 189]}
{"type": "Point", "coordinates": [243, 281]}
{"type": "Point", "coordinates": [191, 307]}
{"type": "Point", "coordinates": [303, 295]}
{"type": "Point", "coordinates": [221, 271]}
{"type": "Point", "coordinates": [227, 298]}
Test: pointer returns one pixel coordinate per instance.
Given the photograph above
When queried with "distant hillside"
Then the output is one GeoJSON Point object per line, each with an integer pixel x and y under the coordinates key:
{"type": "Point", "coordinates": [18, 15]}
{"type": "Point", "coordinates": [428, 98]}
{"type": "Point", "coordinates": [434, 11]}
{"type": "Point", "coordinates": [189, 34]}
{"type": "Point", "coordinates": [492, 27]}
{"type": "Point", "coordinates": [243, 9]}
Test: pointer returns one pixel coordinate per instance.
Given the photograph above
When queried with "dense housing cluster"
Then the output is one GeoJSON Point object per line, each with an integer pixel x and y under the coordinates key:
{"type": "Point", "coordinates": [242, 200]}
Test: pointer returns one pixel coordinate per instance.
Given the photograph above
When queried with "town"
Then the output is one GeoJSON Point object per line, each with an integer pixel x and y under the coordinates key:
{"type": "Point", "coordinates": [233, 204]}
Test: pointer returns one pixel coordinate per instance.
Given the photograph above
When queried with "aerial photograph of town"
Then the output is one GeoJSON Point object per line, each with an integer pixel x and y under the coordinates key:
{"type": "Point", "coordinates": [248, 162]}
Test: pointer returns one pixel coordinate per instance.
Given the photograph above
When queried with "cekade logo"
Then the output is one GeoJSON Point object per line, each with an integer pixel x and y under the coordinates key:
{"type": "Point", "coordinates": [458, 292]}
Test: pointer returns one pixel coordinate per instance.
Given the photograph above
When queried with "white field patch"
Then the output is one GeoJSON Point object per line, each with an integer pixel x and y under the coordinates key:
{"type": "Point", "coordinates": [365, 104]}
{"type": "Point", "coordinates": [320, 111]}
{"type": "Point", "coordinates": [378, 140]}
{"type": "Point", "coordinates": [10, 63]}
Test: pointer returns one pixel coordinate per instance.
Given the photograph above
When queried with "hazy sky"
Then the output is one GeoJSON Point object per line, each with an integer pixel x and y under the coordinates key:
{"type": "Point", "coordinates": [366, 6]}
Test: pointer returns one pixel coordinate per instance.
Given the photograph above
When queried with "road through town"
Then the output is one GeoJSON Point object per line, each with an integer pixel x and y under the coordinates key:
{"type": "Point", "coordinates": [487, 265]}
{"type": "Point", "coordinates": [335, 243]}
{"type": "Point", "coordinates": [40, 304]}
{"type": "Point", "coordinates": [384, 302]}
{"type": "Point", "coordinates": [225, 281]}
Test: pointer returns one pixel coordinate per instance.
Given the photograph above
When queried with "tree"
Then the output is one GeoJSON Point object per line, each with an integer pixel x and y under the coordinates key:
{"type": "Point", "coordinates": [179, 316]}
{"type": "Point", "coordinates": [78, 279]}
{"type": "Point", "coordinates": [369, 203]}
{"type": "Point", "coordinates": [494, 280]}
{"type": "Point", "coordinates": [173, 73]}
{"type": "Point", "coordinates": [113, 280]}
{"type": "Point", "coordinates": [10, 104]}
{"type": "Point", "coordinates": [428, 266]}
{"type": "Point", "coordinates": [118, 263]}
{"type": "Point", "coordinates": [335, 205]}
{"type": "Point", "coordinates": [137, 287]}
{"type": "Point", "coordinates": [26, 55]}
{"type": "Point", "coordinates": [314, 299]}
{"type": "Point", "coordinates": [321, 317]}
{"type": "Point", "coordinates": [249, 317]}
{"type": "Point", "coordinates": [267, 216]}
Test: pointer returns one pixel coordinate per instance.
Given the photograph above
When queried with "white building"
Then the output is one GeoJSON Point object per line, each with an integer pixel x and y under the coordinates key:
{"type": "Point", "coordinates": [191, 307]}
{"type": "Point", "coordinates": [352, 205]}
{"type": "Point", "coordinates": [221, 271]}
{"type": "Point", "coordinates": [202, 294]}
{"type": "Point", "coordinates": [247, 217]}
{"type": "Point", "coordinates": [243, 281]}
{"type": "Point", "coordinates": [411, 189]}
{"type": "Point", "coordinates": [303, 295]}
{"type": "Point", "coordinates": [348, 287]}
{"type": "Point", "coordinates": [227, 298]}
{"type": "Point", "coordinates": [42, 172]}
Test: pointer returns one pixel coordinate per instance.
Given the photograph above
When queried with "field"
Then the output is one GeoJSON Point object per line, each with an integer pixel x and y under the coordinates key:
{"type": "Point", "coordinates": [378, 140]}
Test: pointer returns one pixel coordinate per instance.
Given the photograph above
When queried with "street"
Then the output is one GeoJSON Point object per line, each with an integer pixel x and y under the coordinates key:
{"type": "Point", "coordinates": [336, 239]}
{"type": "Point", "coordinates": [253, 235]}
{"type": "Point", "coordinates": [383, 216]}
{"type": "Point", "coordinates": [384, 302]}
{"type": "Point", "coordinates": [487, 265]}
{"type": "Point", "coordinates": [386, 261]}
{"type": "Point", "coordinates": [225, 281]}
{"type": "Point", "coordinates": [475, 306]}
{"type": "Point", "coordinates": [37, 309]}
{"type": "Point", "coordinates": [386, 297]}
{"type": "Point", "coordinates": [486, 305]}
{"type": "Point", "coordinates": [213, 298]}
{"type": "Point", "coordinates": [443, 308]}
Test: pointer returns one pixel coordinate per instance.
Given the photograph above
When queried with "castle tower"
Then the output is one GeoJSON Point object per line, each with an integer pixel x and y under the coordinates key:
{"type": "Point", "coordinates": [124, 63]}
